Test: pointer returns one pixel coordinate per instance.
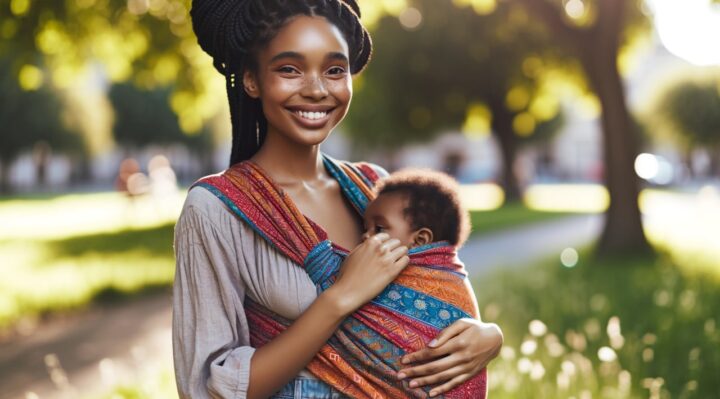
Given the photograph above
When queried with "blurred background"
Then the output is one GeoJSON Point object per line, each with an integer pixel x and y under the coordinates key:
{"type": "Point", "coordinates": [585, 133]}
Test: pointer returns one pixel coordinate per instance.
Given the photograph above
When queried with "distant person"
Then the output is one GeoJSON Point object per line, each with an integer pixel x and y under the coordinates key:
{"type": "Point", "coordinates": [130, 179]}
{"type": "Point", "coordinates": [163, 182]}
{"type": "Point", "coordinates": [253, 314]}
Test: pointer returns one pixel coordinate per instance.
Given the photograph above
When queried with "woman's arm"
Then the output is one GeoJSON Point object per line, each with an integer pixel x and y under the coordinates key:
{"type": "Point", "coordinates": [458, 353]}
{"type": "Point", "coordinates": [369, 268]}
{"type": "Point", "coordinates": [211, 350]}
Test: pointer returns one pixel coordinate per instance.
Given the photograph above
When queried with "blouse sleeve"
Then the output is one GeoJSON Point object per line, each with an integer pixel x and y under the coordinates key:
{"type": "Point", "coordinates": [211, 348]}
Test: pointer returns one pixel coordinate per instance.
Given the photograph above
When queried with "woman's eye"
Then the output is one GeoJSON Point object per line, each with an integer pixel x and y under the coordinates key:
{"type": "Point", "coordinates": [336, 70]}
{"type": "Point", "coordinates": [379, 229]}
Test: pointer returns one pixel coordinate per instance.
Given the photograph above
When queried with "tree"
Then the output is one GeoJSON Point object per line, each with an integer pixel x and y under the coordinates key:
{"type": "Point", "coordinates": [144, 117]}
{"type": "Point", "coordinates": [150, 43]}
{"type": "Point", "coordinates": [592, 32]}
{"type": "Point", "coordinates": [690, 110]}
{"type": "Point", "coordinates": [30, 120]}
{"type": "Point", "coordinates": [429, 78]}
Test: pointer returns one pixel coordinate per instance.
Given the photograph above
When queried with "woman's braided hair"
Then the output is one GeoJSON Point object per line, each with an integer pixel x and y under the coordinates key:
{"type": "Point", "coordinates": [234, 31]}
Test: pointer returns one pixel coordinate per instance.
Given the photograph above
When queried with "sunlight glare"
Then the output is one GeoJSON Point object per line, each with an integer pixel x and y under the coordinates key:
{"type": "Point", "coordinates": [689, 29]}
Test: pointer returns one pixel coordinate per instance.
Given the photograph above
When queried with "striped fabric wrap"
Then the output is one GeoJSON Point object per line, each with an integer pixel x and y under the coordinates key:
{"type": "Point", "coordinates": [363, 357]}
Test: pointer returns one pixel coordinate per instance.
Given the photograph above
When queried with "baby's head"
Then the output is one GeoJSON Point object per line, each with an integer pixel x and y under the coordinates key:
{"type": "Point", "coordinates": [418, 206]}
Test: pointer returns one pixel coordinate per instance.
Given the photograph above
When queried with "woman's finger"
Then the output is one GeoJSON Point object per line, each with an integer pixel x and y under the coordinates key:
{"type": "Point", "coordinates": [430, 368]}
{"type": "Point", "coordinates": [428, 353]}
{"type": "Point", "coordinates": [397, 253]}
{"type": "Point", "coordinates": [380, 237]}
{"type": "Point", "coordinates": [389, 245]}
{"type": "Point", "coordinates": [450, 384]}
{"type": "Point", "coordinates": [437, 378]}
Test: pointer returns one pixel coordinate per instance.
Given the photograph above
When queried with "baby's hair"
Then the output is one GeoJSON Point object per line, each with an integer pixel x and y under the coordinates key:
{"type": "Point", "coordinates": [234, 31]}
{"type": "Point", "coordinates": [433, 202]}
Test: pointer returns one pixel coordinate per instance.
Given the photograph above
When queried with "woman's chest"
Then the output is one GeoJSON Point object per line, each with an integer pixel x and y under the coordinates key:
{"type": "Point", "coordinates": [328, 208]}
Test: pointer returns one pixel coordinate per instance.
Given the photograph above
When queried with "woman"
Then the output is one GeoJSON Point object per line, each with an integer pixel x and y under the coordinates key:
{"type": "Point", "coordinates": [289, 67]}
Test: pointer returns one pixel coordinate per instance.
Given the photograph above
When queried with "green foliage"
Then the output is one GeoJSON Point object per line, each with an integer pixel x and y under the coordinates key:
{"type": "Point", "coordinates": [30, 117]}
{"type": "Point", "coordinates": [663, 329]}
{"type": "Point", "coordinates": [690, 109]}
{"type": "Point", "coordinates": [422, 80]}
{"type": "Point", "coordinates": [149, 43]}
{"type": "Point", "coordinates": [144, 117]}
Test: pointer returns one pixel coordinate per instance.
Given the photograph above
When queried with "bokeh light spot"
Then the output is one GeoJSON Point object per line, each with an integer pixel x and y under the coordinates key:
{"type": "Point", "coordinates": [30, 77]}
{"type": "Point", "coordinates": [569, 257]}
{"type": "Point", "coordinates": [410, 18]}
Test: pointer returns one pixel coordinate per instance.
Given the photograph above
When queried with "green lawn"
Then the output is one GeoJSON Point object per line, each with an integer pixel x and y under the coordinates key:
{"type": "Point", "coordinates": [507, 216]}
{"type": "Point", "coordinates": [654, 322]}
{"type": "Point", "coordinates": [42, 276]}
{"type": "Point", "coordinates": [63, 251]}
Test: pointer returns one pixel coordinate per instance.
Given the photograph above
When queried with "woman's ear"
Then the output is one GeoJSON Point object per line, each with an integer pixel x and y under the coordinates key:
{"type": "Point", "coordinates": [422, 236]}
{"type": "Point", "coordinates": [250, 84]}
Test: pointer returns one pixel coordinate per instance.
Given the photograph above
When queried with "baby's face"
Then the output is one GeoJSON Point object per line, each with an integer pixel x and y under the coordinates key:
{"type": "Point", "coordinates": [385, 214]}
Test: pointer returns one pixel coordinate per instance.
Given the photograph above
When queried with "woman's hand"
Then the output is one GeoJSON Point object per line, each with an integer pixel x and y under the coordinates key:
{"type": "Point", "coordinates": [368, 269]}
{"type": "Point", "coordinates": [458, 353]}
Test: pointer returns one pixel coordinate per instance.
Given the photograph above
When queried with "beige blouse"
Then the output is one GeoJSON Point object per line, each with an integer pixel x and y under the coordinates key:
{"type": "Point", "coordinates": [219, 260]}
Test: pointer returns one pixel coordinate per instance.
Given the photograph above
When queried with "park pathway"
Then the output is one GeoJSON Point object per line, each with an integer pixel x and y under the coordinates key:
{"type": "Point", "coordinates": [523, 245]}
{"type": "Point", "coordinates": [86, 353]}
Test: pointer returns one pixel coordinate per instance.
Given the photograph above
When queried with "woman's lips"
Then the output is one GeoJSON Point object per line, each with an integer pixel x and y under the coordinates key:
{"type": "Point", "coordinates": [311, 120]}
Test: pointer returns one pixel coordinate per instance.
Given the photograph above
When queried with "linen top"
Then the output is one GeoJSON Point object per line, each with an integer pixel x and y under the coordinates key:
{"type": "Point", "coordinates": [219, 260]}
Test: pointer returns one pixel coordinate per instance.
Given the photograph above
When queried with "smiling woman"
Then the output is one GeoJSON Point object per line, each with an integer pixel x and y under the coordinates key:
{"type": "Point", "coordinates": [303, 80]}
{"type": "Point", "coordinates": [266, 293]}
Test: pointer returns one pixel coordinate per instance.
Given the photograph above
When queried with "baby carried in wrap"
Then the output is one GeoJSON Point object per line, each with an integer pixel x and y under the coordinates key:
{"type": "Point", "coordinates": [362, 358]}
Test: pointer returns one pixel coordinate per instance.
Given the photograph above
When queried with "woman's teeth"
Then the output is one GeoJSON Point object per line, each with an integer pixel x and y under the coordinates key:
{"type": "Point", "coordinates": [311, 115]}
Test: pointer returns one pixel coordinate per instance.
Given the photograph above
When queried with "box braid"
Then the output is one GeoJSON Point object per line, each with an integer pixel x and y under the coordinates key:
{"type": "Point", "coordinates": [232, 32]}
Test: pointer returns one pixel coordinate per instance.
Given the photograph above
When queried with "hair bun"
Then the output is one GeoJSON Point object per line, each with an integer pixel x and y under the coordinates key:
{"type": "Point", "coordinates": [354, 6]}
{"type": "Point", "coordinates": [223, 29]}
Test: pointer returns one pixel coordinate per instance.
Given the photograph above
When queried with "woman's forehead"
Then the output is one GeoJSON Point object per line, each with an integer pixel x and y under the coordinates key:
{"type": "Point", "coordinates": [309, 36]}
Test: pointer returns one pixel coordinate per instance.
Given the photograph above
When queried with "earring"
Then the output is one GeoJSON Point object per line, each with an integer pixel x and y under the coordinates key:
{"type": "Point", "coordinates": [257, 133]}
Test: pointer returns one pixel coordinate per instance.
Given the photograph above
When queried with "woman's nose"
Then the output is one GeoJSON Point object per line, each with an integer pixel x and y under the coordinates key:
{"type": "Point", "coordinates": [366, 235]}
{"type": "Point", "coordinates": [315, 88]}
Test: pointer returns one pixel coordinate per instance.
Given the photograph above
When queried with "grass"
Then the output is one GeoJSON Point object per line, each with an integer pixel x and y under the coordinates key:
{"type": "Point", "coordinates": [509, 215]}
{"type": "Point", "coordinates": [623, 328]}
{"type": "Point", "coordinates": [59, 274]}
{"type": "Point", "coordinates": [65, 251]}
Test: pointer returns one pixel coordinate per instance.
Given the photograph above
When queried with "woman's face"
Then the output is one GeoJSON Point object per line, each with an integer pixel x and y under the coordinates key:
{"type": "Point", "coordinates": [303, 80]}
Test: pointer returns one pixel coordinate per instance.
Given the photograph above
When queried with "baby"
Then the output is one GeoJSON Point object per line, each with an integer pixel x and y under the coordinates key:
{"type": "Point", "coordinates": [418, 207]}
{"type": "Point", "coordinates": [421, 208]}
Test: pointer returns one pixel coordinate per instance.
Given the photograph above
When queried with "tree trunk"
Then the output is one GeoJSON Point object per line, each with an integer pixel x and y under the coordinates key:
{"type": "Point", "coordinates": [4, 176]}
{"type": "Point", "coordinates": [502, 129]}
{"type": "Point", "coordinates": [623, 232]}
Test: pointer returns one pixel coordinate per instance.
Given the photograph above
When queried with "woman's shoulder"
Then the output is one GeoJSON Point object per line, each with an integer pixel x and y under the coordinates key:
{"type": "Point", "coordinates": [202, 205]}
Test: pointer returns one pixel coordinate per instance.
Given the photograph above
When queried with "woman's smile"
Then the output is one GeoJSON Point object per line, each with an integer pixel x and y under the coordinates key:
{"type": "Point", "coordinates": [312, 117]}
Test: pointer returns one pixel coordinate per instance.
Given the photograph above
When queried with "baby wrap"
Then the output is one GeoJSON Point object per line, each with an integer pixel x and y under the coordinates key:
{"type": "Point", "coordinates": [363, 356]}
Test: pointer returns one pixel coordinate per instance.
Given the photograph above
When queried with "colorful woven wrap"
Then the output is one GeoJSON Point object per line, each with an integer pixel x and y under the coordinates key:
{"type": "Point", "coordinates": [363, 356]}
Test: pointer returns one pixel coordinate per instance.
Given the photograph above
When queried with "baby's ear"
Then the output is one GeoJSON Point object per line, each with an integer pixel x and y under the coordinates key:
{"type": "Point", "coordinates": [423, 236]}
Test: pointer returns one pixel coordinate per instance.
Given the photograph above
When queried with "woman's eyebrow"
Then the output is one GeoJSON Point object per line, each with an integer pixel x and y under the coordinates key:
{"type": "Point", "coordinates": [294, 54]}
{"type": "Point", "coordinates": [337, 56]}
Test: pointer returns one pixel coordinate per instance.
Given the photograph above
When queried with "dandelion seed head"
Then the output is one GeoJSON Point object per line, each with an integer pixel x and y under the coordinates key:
{"type": "Point", "coordinates": [537, 328]}
{"type": "Point", "coordinates": [606, 354]}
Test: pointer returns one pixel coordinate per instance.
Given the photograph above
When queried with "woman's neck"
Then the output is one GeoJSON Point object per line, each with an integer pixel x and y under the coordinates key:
{"type": "Point", "coordinates": [288, 162]}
